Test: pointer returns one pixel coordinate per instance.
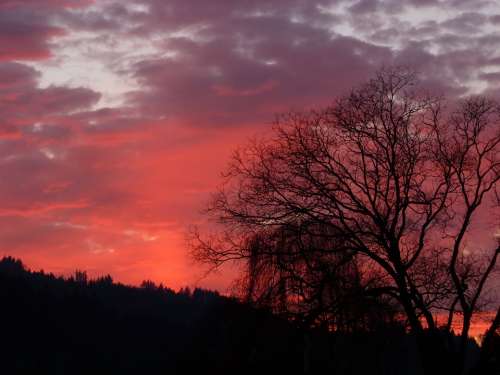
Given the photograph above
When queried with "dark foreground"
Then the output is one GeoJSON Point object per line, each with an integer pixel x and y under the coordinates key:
{"type": "Point", "coordinates": [51, 325]}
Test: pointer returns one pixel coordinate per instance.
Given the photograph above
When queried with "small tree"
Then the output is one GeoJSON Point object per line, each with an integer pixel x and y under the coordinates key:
{"type": "Point", "coordinates": [149, 285]}
{"type": "Point", "coordinates": [389, 179]}
{"type": "Point", "coordinates": [81, 277]}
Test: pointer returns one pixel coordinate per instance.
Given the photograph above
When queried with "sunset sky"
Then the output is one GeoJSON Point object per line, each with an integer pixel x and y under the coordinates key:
{"type": "Point", "coordinates": [117, 116]}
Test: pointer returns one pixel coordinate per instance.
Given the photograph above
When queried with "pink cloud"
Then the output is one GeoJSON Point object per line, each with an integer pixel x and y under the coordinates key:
{"type": "Point", "coordinates": [229, 91]}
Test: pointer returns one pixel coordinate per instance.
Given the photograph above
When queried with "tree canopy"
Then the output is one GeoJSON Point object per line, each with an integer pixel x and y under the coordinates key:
{"type": "Point", "coordinates": [375, 196]}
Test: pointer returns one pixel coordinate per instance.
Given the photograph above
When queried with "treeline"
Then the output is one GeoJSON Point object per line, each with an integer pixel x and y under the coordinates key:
{"type": "Point", "coordinates": [55, 325]}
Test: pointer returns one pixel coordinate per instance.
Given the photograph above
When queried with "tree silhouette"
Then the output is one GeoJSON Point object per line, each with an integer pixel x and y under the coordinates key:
{"type": "Point", "coordinates": [81, 277]}
{"type": "Point", "coordinates": [387, 179]}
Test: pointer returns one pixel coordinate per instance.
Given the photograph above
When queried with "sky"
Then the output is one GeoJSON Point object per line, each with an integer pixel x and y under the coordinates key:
{"type": "Point", "coordinates": [118, 116]}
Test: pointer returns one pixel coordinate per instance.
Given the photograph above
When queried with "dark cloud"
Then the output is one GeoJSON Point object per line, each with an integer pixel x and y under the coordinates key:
{"type": "Point", "coordinates": [466, 23]}
{"type": "Point", "coordinates": [44, 4]}
{"type": "Point", "coordinates": [250, 67]}
{"type": "Point", "coordinates": [17, 76]}
{"type": "Point", "coordinates": [364, 6]}
{"type": "Point", "coordinates": [27, 27]}
{"type": "Point", "coordinates": [22, 102]}
{"type": "Point", "coordinates": [491, 77]}
{"type": "Point", "coordinates": [25, 33]}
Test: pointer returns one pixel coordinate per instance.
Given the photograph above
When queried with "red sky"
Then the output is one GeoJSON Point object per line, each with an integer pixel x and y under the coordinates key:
{"type": "Point", "coordinates": [117, 116]}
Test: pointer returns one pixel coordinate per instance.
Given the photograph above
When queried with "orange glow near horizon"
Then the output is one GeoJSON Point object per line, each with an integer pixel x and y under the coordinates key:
{"type": "Point", "coordinates": [480, 323]}
{"type": "Point", "coordinates": [142, 235]}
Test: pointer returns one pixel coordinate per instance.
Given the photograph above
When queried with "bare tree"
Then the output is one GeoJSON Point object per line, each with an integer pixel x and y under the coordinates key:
{"type": "Point", "coordinates": [394, 180]}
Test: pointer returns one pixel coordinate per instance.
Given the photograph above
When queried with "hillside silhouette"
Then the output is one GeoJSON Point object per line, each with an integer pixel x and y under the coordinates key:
{"type": "Point", "coordinates": [56, 325]}
{"type": "Point", "coordinates": [53, 325]}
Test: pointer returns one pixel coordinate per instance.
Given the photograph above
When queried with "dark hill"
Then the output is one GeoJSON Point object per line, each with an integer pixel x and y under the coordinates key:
{"type": "Point", "coordinates": [51, 325]}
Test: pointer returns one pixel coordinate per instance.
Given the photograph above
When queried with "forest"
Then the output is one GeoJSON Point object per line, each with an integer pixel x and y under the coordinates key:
{"type": "Point", "coordinates": [77, 325]}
